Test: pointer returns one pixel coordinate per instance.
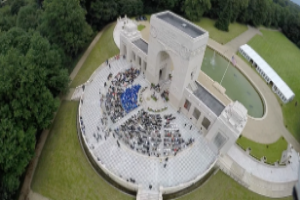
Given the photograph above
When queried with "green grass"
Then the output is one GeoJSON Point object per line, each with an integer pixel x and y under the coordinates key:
{"type": "Point", "coordinates": [104, 49]}
{"type": "Point", "coordinates": [222, 187]}
{"type": "Point", "coordinates": [235, 29]}
{"type": "Point", "coordinates": [271, 151]}
{"type": "Point", "coordinates": [284, 57]}
{"type": "Point", "coordinates": [140, 27]}
{"type": "Point", "coordinates": [63, 173]}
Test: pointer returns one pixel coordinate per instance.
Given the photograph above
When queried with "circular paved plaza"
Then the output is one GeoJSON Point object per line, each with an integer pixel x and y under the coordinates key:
{"type": "Point", "coordinates": [140, 148]}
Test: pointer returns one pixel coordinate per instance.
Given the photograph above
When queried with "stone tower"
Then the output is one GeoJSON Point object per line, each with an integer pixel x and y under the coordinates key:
{"type": "Point", "coordinates": [175, 52]}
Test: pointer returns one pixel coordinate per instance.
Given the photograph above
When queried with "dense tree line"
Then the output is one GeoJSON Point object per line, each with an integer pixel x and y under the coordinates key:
{"type": "Point", "coordinates": [37, 42]}
{"type": "Point", "coordinates": [282, 14]}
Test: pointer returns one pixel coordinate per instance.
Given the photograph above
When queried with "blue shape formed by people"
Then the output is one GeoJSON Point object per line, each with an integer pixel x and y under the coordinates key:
{"type": "Point", "coordinates": [129, 98]}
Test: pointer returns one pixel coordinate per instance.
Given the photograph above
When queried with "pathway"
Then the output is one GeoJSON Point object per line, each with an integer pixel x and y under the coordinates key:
{"type": "Point", "coordinates": [242, 39]}
{"type": "Point", "coordinates": [271, 127]}
{"type": "Point", "coordinates": [270, 181]}
{"type": "Point", "coordinates": [26, 192]}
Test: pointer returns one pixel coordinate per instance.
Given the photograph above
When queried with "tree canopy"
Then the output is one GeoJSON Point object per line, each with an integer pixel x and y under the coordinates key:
{"type": "Point", "coordinates": [63, 23]}
{"type": "Point", "coordinates": [32, 75]}
{"type": "Point", "coordinates": [194, 9]}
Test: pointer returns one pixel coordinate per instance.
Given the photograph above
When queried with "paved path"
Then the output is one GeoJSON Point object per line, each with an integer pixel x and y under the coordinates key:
{"type": "Point", "coordinates": [242, 39]}
{"type": "Point", "coordinates": [26, 192]}
{"type": "Point", "coordinates": [274, 182]}
{"type": "Point", "coordinates": [271, 126]}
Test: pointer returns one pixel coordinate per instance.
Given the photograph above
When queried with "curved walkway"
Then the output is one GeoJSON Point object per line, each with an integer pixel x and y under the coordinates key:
{"type": "Point", "coordinates": [267, 180]}
{"type": "Point", "coordinates": [271, 127]}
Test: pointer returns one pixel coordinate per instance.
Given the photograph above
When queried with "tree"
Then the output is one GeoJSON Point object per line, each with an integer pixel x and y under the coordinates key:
{"type": "Point", "coordinates": [256, 13]}
{"type": "Point", "coordinates": [225, 15]}
{"type": "Point", "coordinates": [103, 11]}
{"type": "Point", "coordinates": [7, 20]}
{"type": "Point", "coordinates": [17, 147]}
{"type": "Point", "coordinates": [28, 17]}
{"type": "Point", "coordinates": [63, 23]}
{"type": "Point", "coordinates": [16, 5]}
{"type": "Point", "coordinates": [237, 8]}
{"type": "Point", "coordinates": [130, 7]}
{"type": "Point", "coordinates": [194, 9]}
{"type": "Point", "coordinates": [31, 76]}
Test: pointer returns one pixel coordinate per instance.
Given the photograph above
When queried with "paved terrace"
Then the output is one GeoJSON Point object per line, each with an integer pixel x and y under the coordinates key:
{"type": "Point", "coordinates": [265, 130]}
{"type": "Point", "coordinates": [267, 180]}
{"type": "Point", "coordinates": [256, 176]}
{"type": "Point", "coordinates": [123, 162]}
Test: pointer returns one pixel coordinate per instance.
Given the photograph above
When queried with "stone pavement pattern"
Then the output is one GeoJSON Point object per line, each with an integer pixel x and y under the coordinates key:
{"type": "Point", "coordinates": [265, 130]}
{"type": "Point", "coordinates": [123, 162]}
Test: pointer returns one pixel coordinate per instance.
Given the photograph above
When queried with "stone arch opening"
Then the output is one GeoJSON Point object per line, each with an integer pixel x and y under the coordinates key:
{"type": "Point", "coordinates": [165, 66]}
{"type": "Point", "coordinates": [123, 49]}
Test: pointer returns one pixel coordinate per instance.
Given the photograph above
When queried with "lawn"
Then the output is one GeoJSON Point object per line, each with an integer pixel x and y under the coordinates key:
{"type": "Point", "coordinates": [284, 57]}
{"type": "Point", "coordinates": [104, 49]}
{"type": "Point", "coordinates": [222, 187]}
{"type": "Point", "coordinates": [63, 172]}
{"type": "Point", "coordinates": [141, 27]}
{"type": "Point", "coordinates": [235, 29]}
{"type": "Point", "coordinates": [271, 151]}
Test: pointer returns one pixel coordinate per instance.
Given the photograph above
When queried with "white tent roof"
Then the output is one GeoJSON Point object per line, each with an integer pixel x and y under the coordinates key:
{"type": "Point", "coordinates": [268, 70]}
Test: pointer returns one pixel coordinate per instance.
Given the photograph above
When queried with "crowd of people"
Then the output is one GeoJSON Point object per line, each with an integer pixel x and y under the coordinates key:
{"type": "Point", "coordinates": [113, 104]}
{"type": "Point", "coordinates": [152, 135]}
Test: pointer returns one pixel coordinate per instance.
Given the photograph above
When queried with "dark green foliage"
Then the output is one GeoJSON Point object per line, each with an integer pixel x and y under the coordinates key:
{"type": "Point", "coordinates": [28, 17]}
{"type": "Point", "coordinates": [194, 9]}
{"type": "Point", "coordinates": [16, 5]}
{"type": "Point", "coordinates": [63, 23]}
{"type": "Point", "coordinates": [31, 74]}
{"type": "Point", "coordinates": [7, 20]}
{"type": "Point", "coordinates": [292, 28]}
{"type": "Point", "coordinates": [225, 14]}
{"type": "Point", "coordinates": [130, 7]}
{"type": "Point", "coordinates": [102, 12]}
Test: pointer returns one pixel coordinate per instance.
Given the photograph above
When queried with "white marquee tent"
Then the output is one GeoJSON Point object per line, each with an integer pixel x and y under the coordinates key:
{"type": "Point", "coordinates": [267, 72]}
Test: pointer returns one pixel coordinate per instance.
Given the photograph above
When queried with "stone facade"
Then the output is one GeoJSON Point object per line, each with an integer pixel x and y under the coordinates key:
{"type": "Point", "coordinates": [175, 53]}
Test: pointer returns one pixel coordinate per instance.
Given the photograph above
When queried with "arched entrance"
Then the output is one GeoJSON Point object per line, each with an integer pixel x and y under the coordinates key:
{"type": "Point", "coordinates": [123, 49]}
{"type": "Point", "coordinates": [165, 65]}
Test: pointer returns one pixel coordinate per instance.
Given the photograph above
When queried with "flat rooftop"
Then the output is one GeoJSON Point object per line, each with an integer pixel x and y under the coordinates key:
{"type": "Point", "coordinates": [209, 100]}
{"type": "Point", "coordinates": [179, 23]}
{"type": "Point", "coordinates": [141, 44]}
